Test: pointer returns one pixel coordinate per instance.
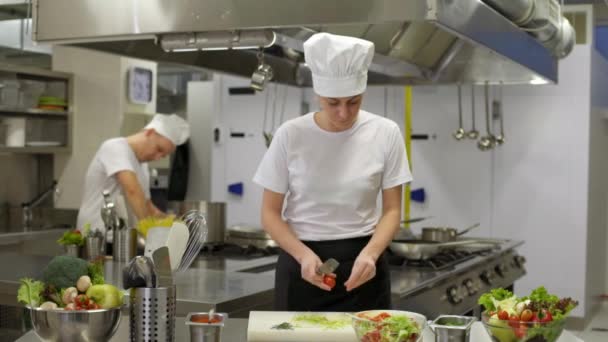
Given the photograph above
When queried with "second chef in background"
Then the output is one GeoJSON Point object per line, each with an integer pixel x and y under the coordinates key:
{"type": "Point", "coordinates": [322, 176]}
{"type": "Point", "coordinates": [120, 166]}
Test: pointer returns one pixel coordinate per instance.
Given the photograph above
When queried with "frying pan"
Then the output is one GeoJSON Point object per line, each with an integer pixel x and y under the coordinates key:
{"type": "Point", "coordinates": [421, 249]}
{"type": "Point", "coordinates": [444, 234]}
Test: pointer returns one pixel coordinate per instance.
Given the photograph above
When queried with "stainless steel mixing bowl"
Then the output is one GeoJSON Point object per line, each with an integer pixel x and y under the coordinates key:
{"type": "Point", "coordinates": [77, 326]}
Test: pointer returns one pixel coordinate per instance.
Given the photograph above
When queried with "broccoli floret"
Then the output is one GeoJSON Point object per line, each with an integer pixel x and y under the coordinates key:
{"type": "Point", "coordinates": [64, 271]}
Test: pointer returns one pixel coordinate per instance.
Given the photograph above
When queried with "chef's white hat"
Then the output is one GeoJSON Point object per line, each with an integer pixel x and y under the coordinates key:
{"type": "Point", "coordinates": [338, 64]}
{"type": "Point", "coordinates": [171, 127]}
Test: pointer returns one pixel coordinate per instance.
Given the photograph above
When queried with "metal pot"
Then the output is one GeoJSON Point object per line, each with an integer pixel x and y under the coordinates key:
{"type": "Point", "coordinates": [214, 212]}
{"type": "Point", "coordinates": [444, 234]}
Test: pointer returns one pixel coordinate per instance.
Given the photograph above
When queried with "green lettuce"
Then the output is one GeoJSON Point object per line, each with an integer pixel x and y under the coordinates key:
{"type": "Point", "coordinates": [498, 297]}
{"type": "Point", "coordinates": [30, 291]}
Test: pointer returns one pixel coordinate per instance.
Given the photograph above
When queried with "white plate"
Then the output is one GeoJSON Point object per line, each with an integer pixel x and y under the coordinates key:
{"type": "Point", "coordinates": [43, 143]}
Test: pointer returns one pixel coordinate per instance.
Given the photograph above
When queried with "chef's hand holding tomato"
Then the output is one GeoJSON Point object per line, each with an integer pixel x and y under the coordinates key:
{"type": "Point", "coordinates": [310, 263]}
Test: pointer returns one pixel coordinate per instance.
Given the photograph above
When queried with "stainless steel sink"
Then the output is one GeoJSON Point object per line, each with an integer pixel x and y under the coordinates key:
{"type": "Point", "coordinates": [43, 218]}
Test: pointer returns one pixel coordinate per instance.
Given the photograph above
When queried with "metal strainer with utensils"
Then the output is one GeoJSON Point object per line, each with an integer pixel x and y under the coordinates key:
{"type": "Point", "coordinates": [197, 227]}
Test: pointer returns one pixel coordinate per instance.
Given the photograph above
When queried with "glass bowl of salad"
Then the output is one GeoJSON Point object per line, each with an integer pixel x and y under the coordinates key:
{"type": "Point", "coordinates": [388, 326]}
{"type": "Point", "coordinates": [539, 317]}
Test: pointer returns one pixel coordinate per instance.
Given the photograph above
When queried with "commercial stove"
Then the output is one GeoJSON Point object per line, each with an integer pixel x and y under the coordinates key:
{"type": "Point", "coordinates": [452, 281]}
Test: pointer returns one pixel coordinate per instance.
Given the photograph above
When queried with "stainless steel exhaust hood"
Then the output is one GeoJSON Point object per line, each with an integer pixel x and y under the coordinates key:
{"type": "Point", "coordinates": [417, 41]}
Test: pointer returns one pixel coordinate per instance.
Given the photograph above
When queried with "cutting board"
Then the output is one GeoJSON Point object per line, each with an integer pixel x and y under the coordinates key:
{"type": "Point", "coordinates": [261, 323]}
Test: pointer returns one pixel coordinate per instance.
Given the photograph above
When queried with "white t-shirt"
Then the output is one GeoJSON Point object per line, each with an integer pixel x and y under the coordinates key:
{"type": "Point", "coordinates": [113, 156]}
{"type": "Point", "coordinates": [332, 180]}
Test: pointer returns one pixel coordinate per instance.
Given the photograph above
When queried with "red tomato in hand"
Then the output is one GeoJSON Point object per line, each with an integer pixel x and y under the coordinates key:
{"type": "Point", "coordinates": [329, 281]}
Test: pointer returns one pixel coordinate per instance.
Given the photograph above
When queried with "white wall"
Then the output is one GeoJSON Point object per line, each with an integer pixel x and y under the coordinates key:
{"type": "Point", "coordinates": [598, 185]}
{"type": "Point", "coordinates": [96, 102]}
{"type": "Point", "coordinates": [238, 158]}
{"type": "Point", "coordinates": [455, 174]}
{"type": "Point", "coordinates": [541, 177]}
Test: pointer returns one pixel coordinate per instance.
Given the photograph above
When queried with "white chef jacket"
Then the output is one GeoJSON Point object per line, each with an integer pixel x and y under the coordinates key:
{"type": "Point", "coordinates": [113, 156]}
{"type": "Point", "coordinates": [332, 180]}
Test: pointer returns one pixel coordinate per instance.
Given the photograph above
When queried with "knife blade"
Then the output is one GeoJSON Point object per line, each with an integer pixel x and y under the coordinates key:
{"type": "Point", "coordinates": [329, 266]}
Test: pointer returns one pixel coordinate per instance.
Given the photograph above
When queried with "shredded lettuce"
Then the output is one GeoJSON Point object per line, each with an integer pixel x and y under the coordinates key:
{"type": "Point", "coordinates": [322, 321]}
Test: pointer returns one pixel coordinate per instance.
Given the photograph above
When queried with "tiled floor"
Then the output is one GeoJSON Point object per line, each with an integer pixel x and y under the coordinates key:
{"type": "Point", "coordinates": [599, 321]}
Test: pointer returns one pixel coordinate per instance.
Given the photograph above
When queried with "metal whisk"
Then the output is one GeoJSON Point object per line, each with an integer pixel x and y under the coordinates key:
{"type": "Point", "coordinates": [197, 225]}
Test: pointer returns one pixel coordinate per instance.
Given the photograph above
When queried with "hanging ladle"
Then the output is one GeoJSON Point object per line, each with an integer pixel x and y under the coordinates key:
{"type": "Point", "coordinates": [459, 134]}
{"type": "Point", "coordinates": [473, 133]}
{"type": "Point", "coordinates": [498, 112]}
{"type": "Point", "coordinates": [487, 142]}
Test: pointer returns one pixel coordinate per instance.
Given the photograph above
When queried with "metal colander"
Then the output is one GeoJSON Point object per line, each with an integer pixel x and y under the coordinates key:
{"type": "Point", "coordinates": [152, 314]}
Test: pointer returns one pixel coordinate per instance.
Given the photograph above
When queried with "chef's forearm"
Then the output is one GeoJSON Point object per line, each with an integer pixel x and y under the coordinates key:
{"type": "Point", "coordinates": [284, 236]}
{"type": "Point", "coordinates": [384, 233]}
{"type": "Point", "coordinates": [133, 193]}
{"type": "Point", "coordinates": [388, 224]}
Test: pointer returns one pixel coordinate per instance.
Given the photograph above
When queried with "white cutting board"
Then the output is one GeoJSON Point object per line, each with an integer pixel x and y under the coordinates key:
{"type": "Point", "coordinates": [261, 323]}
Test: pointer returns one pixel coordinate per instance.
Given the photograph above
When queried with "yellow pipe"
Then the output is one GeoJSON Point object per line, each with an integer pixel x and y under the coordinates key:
{"type": "Point", "coordinates": [407, 127]}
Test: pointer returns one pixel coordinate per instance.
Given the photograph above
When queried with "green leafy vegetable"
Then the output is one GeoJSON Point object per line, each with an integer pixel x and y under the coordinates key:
{"type": "Point", "coordinates": [283, 326]}
{"type": "Point", "coordinates": [390, 328]}
{"type": "Point", "coordinates": [71, 237]}
{"type": "Point", "coordinates": [322, 320]}
{"type": "Point", "coordinates": [30, 291]}
{"type": "Point", "coordinates": [95, 270]}
{"type": "Point", "coordinates": [541, 295]}
{"type": "Point", "coordinates": [494, 297]}
{"type": "Point", "coordinates": [63, 271]}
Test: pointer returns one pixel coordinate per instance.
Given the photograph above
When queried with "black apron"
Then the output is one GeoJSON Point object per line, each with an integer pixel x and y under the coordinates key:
{"type": "Point", "coordinates": [292, 293]}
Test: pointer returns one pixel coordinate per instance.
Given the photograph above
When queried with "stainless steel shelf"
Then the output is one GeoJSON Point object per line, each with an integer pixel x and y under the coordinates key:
{"type": "Point", "coordinates": [11, 111]}
{"type": "Point", "coordinates": [35, 150]}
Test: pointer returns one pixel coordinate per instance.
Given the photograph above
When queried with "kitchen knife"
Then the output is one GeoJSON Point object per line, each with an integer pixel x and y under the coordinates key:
{"type": "Point", "coordinates": [328, 266]}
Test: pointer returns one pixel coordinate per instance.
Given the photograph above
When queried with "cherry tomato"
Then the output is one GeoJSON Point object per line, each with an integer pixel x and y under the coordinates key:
{"type": "Point", "coordinates": [329, 281]}
{"type": "Point", "coordinates": [503, 315]}
{"type": "Point", "coordinates": [544, 316]}
{"type": "Point", "coordinates": [521, 331]}
{"type": "Point", "coordinates": [380, 317]}
{"type": "Point", "coordinates": [527, 315]}
{"type": "Point", "coordinates": [82, 301]}
{"type": "Point", "coordinates": [77, 232]}
{"type": "Point", "coordinates": [514, 321]}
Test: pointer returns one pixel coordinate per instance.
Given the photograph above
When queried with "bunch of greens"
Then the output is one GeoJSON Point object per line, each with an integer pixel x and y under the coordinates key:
{"type": "Point", "coordinates": [71, 237]}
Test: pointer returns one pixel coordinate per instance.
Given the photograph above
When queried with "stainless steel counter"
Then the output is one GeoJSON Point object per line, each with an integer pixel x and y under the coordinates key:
{"type": "Point", "coordinates": [235, 285]}
{"type": "Point", "coordinates": [12, 238]}
{"type": "Point", "coordinates": [236, 331]}
{"type": "Point", "coordinates": [198, 289]}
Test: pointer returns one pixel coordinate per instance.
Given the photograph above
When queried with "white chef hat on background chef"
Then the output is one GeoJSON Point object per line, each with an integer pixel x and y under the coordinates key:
{"type": "Point", "coordinates": [338, 64]}
{"type": "Point", "coordinates": [171, 127]}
